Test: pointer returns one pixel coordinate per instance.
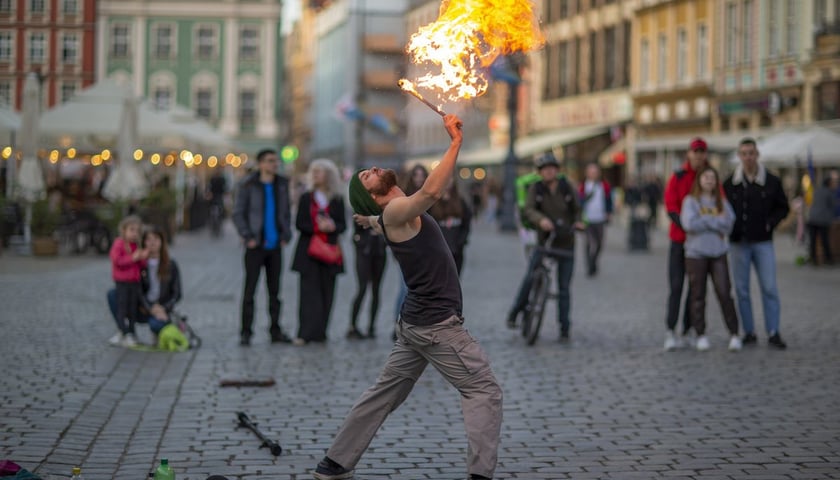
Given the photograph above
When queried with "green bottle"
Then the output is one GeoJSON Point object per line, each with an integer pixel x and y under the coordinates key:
{"type": "Point", "coordinates": [164, 471]}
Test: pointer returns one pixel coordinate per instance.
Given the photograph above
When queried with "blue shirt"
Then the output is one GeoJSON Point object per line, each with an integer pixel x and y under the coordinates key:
{"type": "Point", "coordinates": [271, 236]}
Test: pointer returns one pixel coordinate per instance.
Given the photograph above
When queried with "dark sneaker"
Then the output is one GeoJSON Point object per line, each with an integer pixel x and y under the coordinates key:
{"type": "Point", "coordinates": [355, 334]}
{"type": "Point", "coordinates": [564, 336]}
{"type": "Point", "coordinates": [371, 334]}
{"type": "Point", "coordinates": [329, 470]}
{"type": "Point", "coordinates": [245, 340]}
{"type": "Point", "coordinates": [749, 339]}
{"type": "Point", "coordinates": [280, 338]}
{"type": "Point", "coordinates": [776, 341]}
{"type": "Point", "coordinates": [478, 477]}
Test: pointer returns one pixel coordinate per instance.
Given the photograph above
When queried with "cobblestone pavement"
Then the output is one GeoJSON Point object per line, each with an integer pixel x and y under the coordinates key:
{"type": "Point", "coordinates": [609, 405]}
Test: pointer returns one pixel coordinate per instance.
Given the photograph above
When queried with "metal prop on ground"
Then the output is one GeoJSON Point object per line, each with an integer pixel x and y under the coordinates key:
{"type": "Point", "coordinates": [246, 422]}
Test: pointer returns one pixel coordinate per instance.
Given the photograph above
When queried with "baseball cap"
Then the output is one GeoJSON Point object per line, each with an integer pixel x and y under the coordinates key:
{"type": "Point", "coordinates": [698, 143]}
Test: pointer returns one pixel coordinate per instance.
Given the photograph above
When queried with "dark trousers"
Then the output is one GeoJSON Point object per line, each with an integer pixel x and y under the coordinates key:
{"type": "Point", "coordinates": [594, 243]}
{"type": "Point", "coordinates": [317, 288]}
{"type": "Point", "coordinates": [718, 268]}
{"type": "Point", "coordinates": [676, 279]}
{"type": "Point", "coordinates": [565, 269]}
{"type": "Point", "coordinates": [128, 303]}
{"type": "Point", "coordinates": [255, 260]}
{"type": "Point", "coordinates": [821, 231]}
{"type": "Point", "coordinates": [369, 270]}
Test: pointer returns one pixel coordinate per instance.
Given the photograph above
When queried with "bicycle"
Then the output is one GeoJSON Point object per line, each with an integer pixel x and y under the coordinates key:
{"type": "Point", "coordinates": [541, 283]}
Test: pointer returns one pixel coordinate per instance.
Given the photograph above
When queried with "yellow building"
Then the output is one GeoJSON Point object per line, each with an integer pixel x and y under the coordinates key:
{"type": "Point", "coordinates": [673, 70]}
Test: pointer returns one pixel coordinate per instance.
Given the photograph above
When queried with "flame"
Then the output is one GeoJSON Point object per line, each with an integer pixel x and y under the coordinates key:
{"type": "Point", "coordinates": [466, 38]}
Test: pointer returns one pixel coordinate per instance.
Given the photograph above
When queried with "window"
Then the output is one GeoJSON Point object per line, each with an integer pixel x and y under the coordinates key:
{"type": "Point", "coordinates": [820, 13]}
{"type": "Point", "coordinates": [550, 78]}
{"type": "Point", "coordinates": [36, 47]}
{"type": "Point", "coordinates": [6, 46]}
{"type": "Point", "coordinates": [5, 6]}
{"type": "Point", "coordinates": [575, 65]}
{"type": "Point", "coordinates": [119, 40]}
{"type": "Point", "coordinates": [68, 89]}
{"type": "Point", "coordinates": [206, 42]}
{"type": "Point", "coordinates": [162, 97]}
{"type": "Point", "coordinates": [610, 55]}
{"type": "Point", "coordinates": [731, 33]}
{"type": "Point", "coordinates": [662, 60]}
{"type": "Point", "coordinates": [746, 32]}
{"type": "Point", "coordinates": [702, 51]}
{"type": "Point", "coordinates": [791, 29]}
{"type": "Point", "coordinates": [564, 70]}
{"type": "Point", "coordinates": [70, 7]}
{"type": "Point", "coordinates": [204, 103]}
{"type": "Point", "coordinates": [69, 49]}
{"type": "Point", "coordinates": [249, 40]}
{"type": "Point", "coordinates": [682, 55]}
{"type": "Point", "coordinates": [163, 41]}
{"type": "Point", "coordinates": [593, 83]}
{"type": "Point", "coordinates": [773, 26]}
{"type": "Point", "coordinates": [36, 6]}
{"type": "Point", "coordinates": [625, 57]}
{"type": "Point", "coordinates": [6, 93]}
{"type": "Point", "coordinates": [247, 109]}
{"type": "Point", "coordinates": [644, 64]}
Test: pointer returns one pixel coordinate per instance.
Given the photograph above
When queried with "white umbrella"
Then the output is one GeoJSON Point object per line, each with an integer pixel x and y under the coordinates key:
{"type": "Point", "coordinates": [126, 182]}
{"type": "Point", "coordinates": [792, 147]}
{"type": "Point", "coordinates": [30, 181]}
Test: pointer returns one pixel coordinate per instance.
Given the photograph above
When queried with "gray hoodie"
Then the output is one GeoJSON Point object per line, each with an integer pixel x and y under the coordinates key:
{"type": "Point", "coordinates": [706, 229]}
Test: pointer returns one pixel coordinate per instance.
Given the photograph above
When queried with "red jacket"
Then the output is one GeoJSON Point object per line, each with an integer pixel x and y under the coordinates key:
{"type": "Point", "coordinates": [679, 186]}
{"type": "Point", "coordinates": [123, 267]}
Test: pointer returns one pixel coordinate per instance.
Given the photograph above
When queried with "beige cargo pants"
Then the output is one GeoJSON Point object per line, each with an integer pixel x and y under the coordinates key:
{"type": "Point", "coordinates": [462, 362]}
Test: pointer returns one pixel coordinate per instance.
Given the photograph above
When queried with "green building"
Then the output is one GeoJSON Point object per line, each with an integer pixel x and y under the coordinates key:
{"type": "Point", "coordinates": [222, 59]}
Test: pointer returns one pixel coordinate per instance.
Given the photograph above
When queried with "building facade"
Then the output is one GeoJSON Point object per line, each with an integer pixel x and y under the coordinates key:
{"type": "Point", "coordinates": [821, 95]}
{"type": "Point", "coordinates": [53, 38]}
{"type": "Point", "coordinates": [673, 81]}
{"type": "Point", "coordinates": [581, 81]}
{"type": "Point", "coordinates": [355, 99]}
{"type": "Point", "coordinates": [221, 59]}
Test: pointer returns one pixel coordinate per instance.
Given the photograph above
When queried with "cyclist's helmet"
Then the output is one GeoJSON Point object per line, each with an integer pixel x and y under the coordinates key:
{"type": "Point", "coordinates": [546, 159]}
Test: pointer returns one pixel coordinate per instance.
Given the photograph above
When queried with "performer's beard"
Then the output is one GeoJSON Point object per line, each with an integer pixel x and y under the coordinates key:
{"type": "Point", "coordinates": [387, 180]}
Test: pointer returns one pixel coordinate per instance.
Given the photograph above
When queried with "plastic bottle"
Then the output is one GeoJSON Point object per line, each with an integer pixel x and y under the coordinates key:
{"type": "Point", "coordinates": [77, 474]}
{"type": "Point", "coordinates": [164, 471]}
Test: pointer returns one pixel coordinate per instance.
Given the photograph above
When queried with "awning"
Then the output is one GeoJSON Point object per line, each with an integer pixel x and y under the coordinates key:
{"type": "Point", "coordinates": [524, 148]}
{"type": "Point", "coordinates": [720, 143]}
{"type": "Point", "coordinates": [792, 147]}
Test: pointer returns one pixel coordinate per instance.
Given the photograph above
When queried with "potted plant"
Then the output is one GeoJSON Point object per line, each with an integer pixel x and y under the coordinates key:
{"type": "Point", "coordinates": [43, 225]}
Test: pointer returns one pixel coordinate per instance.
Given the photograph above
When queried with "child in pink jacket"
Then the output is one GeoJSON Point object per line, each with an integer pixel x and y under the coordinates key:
{"type": "Point", "coordinates": [127, 259]}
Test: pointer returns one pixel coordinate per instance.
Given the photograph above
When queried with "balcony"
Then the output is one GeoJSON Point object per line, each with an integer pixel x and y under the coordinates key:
{"type": "Point", "coordinates": [827, 41]}
{"type": "Point", "coordinates": [381, 79]}
{"type": "Point", "coordinates": [383, 43]}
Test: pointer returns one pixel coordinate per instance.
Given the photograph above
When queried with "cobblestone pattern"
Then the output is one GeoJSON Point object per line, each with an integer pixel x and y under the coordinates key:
{"type": "Point", "coordinates": [609, 405]}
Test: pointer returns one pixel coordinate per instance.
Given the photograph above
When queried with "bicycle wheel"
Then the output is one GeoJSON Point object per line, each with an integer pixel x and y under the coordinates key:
{"type": "Point", "coordinates": [536, 306]}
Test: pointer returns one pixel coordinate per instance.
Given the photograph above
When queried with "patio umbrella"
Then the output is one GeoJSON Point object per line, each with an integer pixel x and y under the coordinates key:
{"type": "Point", "coordinates": [126, 182]}
{"type": "Point", "coordinates": [30, 181]}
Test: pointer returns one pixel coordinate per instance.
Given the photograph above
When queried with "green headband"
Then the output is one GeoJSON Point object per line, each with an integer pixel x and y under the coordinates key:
{"type": "Point", "coordinates": [360, 199]}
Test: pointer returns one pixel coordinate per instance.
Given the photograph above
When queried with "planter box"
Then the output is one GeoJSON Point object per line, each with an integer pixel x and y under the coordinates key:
{"type": "Point", "coordinates": [44, 247]}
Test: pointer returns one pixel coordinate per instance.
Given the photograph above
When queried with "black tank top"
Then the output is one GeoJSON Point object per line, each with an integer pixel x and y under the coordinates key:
{"type": "Point", "coordinates": [434, 291]}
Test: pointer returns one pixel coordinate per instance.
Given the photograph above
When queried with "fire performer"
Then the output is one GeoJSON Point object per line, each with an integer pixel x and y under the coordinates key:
{"type": "Point", "coordinates": [430, 328]}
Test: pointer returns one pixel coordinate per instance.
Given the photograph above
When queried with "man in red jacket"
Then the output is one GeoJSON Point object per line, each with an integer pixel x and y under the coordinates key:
{"type": "Point", "coordinates": [679, 186]}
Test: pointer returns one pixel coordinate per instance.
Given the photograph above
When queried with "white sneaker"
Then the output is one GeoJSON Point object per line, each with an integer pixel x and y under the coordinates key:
{"type": "Point", "coordinates": [129, 340]}
{"type": "Point", "coordinates": [671, 341]}
{"type": "Point", "coordinates": [702, 343]}
{"type": "Point", "coordinates": [116, 340]}
{"type": "Point", "coordinates": [735, 343]}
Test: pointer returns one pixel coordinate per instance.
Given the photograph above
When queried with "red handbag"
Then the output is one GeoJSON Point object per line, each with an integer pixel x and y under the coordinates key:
{"type": "Point", "coordinates": [323, 251]}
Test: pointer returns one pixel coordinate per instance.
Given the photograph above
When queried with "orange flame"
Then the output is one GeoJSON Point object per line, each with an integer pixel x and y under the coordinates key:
{"type": "Point", "coordinates": [467, 37]}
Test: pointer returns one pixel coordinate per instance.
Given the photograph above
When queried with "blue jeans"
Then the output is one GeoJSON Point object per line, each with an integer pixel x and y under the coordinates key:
{"type": "Point", "coordinates": [154, 324]}
{"type": "Point", "coordinates": [763, 256]}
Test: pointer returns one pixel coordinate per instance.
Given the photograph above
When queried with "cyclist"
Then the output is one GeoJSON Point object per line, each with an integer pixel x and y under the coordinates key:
{"type": "Point", "coordinates": [215, 195]}
{"type": "Point", "coordinates": [551, 201]}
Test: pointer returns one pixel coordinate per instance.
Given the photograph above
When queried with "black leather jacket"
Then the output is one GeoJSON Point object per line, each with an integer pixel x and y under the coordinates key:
{"type": "Point", "coordinates": [170, 289]}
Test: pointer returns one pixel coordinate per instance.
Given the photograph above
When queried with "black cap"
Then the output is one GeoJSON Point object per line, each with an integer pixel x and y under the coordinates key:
{"type": "Point", "coordinates": [546, 159]}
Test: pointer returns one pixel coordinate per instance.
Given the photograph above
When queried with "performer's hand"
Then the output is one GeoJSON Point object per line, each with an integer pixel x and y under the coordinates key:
{"type": "Point", "coordinates": [453, 127]}
{"type": "Point", "coordinates": [251, 243]}
{"type": "Point", "coordinates": [546, 224]}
